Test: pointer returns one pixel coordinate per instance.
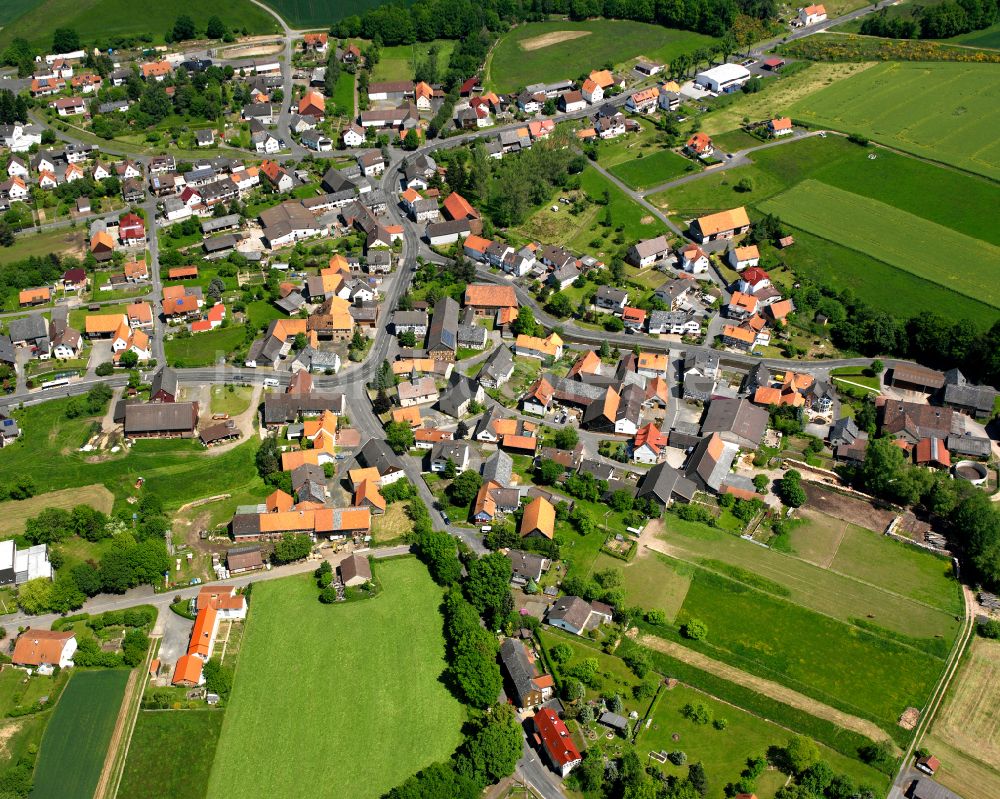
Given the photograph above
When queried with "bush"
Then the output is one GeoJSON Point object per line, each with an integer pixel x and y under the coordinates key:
{"type": "Point", "coordinates": [104, 369]}
{"type": "Point", "coordinates": [656, 617]}
{"type": "Point", "coordinates": [678, 758]}
{"type": "Point", "coordinates": [695, 629]}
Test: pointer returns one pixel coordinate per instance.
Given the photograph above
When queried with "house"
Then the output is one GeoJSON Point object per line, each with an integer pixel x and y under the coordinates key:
{"type": "Point", "coordinates": [723, 78]}
{"type": "Point", "coordinates": [700, 145]}
{"type": "Point", "coordinates": [30, 332]}
{"type": "Point", "coordinates": [131, 230]}
{"type": "Point", "coordinates": [609, 298]}
{"type": "Point", "coordinates": [932, 452]}
{"type": "Point", "coordinates": [649, 445]}
{"type": "Point", "coordinates": [694, 259]}
{"type": "Point", "coordinates": [37, 296]}
{"type": "Point", "coordinates": [539, 519]}
{"type": "Point", "coordinates": [277, 176]}
{"type": "Point", "coordinates": [811, 15]}
{"type": "Point", "coordinates": [592, 92]}
{"type": "Point", "coordinates": [652, 364]}
{"type": "Point", "coordinates": [737, 421]}
{"type": "Point", "coordinates": [551, 731]}
{"type": "Point", "coordinates": [161, 420]}
{"type": "Point", "coordinates": [753, 280]}
{"type": "Point", "coordinates": [643, 101]}
{"type": "Point", "coordinates": [441, 233]}
{"type": "Point", "coordinates": [538, 398]}
{"type": "Point", "coordinates": [410, 322]}
{"type": "Point", "coordinates": [417, 392]}
{"type": "Point", "coordinates": [741, 306]}
{"type": "Point", "coordinates": [740, 258]}
{"type": "Point", "coordinates": [634, 318]}
{"type": "Point", "coordinates": [497, 369]}
{"type": "Point", "coordinates": [542, 348]}
{"type": "Point", "coordinates": [44, 649]}
{"type": "Point", "coordinates": [723, 225]}
{"type": "Point", "coordinates": [312, 104]}
{"type": "Point", "coordinates": [459, 395]}
{"type": "Point", "coordinates": [529, 689]}
{"type": "Point", "coordinates": [422, 95]}
{"type": "Point", "coordinates": [779, 127]}
{"type": "Point", "coordinates": [486, 299]}
{"type": "Point", "coordinates": [156, 70]}
{"type": "Point", "coordinates": [526, 566]}
{"type": "Point", "coordinates": [647, 252]}
{"type": "Point", "coordinates": [390, 90]}
{"type": "Point", "coordinates": [355, 570]}
{"type": "Point", "coordinates": [928, 764]}
{"type": "Point", "coordinates": [666, 484]}
{"type": "Point", "coordinates": [371, 163]}
{"type": "Point", "coordinates": [967, 398]}
{"type": "Point", "coordinates": [676, 323]}
{"type": "Point", "coordinates": [911, 421]}
{"type": "Point", "coordinates": [353, 135]}
{"type": "Point", "coordinates": [668, 101]}
{"type": "Point", "coordinates": [457, 452]}
{"type": "Point", "coordinates": [572, 101]}
{"type": "Point", "coordinates": [456, 207]}
{"type": "Point", "coordinates": [577, 616]}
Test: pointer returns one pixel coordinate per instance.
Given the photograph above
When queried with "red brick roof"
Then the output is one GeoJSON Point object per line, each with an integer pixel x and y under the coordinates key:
{"type": "Point", "coordinates": [555, 737]}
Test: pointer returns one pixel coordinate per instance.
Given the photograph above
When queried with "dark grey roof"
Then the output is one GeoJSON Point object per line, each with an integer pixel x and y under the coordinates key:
{"type": "Point", "coordinates": [160, 417]}
{"type": "Point", "coordinates": [457, 451]}
{"type": "Point", "coordinates": [964, 395]}
{"type": "Point", "coordinates": [284, 408]}
{"type": "Point", "coordinates": [443, 332]}
{"type": "Point", "coordinates": [376, 454]}
{"type": "Point", "coordinates": [28, 328]}
{"type": "Point", "coordinates": [601, 471]}
{"type": "Point", "coordinates": [409, 319]}
{"type": "Point", "coordinates": [459, 392]}
{"type": "Point", "coordinates": [473, 336]}
{"type": "Point", "coordinates": [220, 223]}
{"type": "Point", "coordinates": [925, 788]}
{"type": "Point", "coordinates": [664, 483]}
{"type": "Point", "coordinates": [164, 380]}
{"type": "Point", "coordinates": [520, 670]}
{"type": "Point", "coordinates": [355, 566]}
{"type": "Point", "coordinates": [498, 467]}
{"type": "Point", "coordinates": [498, 365]}
{"type": "Point", "coordinates": [526, 565]}
{"type": "Point", "coordinates": [7, 354]}
{"type": "Point", "coordinates": [975, 446]}
{"type": "Point", "coordinates": [844, 431]}
{"type": "Point", "coordinates": [614, 720]}
{"type": "Point", "coordinates": [447, 228]}
{"type": "Point", "coordinates": [737, 417]}
{"type": "Point", "coordinates": [245, 524]}
{"type": "Point", "coordinates": [307, 472]}
{"type": "Point", "coordinates": [612, 294]}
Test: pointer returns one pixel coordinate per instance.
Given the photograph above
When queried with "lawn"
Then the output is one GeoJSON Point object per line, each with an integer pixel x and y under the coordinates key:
{"type": "Point", "coordinates": [400, 62]}
{"type": "Point", "coordinates": [319, 13]}
{"type": "Point", "coordinates": [910, 243]}
{"type": "Point", "coordinates": [613, 676]}
{"type": "Point", "coordinates": [15, 513]}
{"type": "Point", "coordinates": [170, 755]}
{"type": "Point", "coordinates": [964, 732]}
{"type": "Point", "coordinates": [12, 9]}
{"type": "Point", "coordinates": [177, 471]}
{"type": "Point", "coordinates": [391, 525]}
{"type": "Point", "coordinates": [543, 52]}
{"type": "Point", "coordinates": [651, 170]}
{"type": "Point", "coordinates": [18, 691]}
{"type": "Point", "coordinates": [76, 739]}
{"type": "Point", "coordinates": [861, 377]}
{"type": "Point", "coordinates": [942, 111]}
{"type": "Point", "coordinates": [651, 580]}
{"type": "Point", "coordinates": [101, 20]}
{"type": "Point", "coordinates": [230, 399]}
{"type": "Point", "coordinates": [735, 140]}
{"type": "Point", "coordinates": [637, 222]}
{"type": "Point", "coordinates": [203, 349]}
{"type": "Point", "coordinates": [724, 753]}
{"type": "Point", "coordinates": [361, 705]}
{"type": "Point", "coordinates": [343, 93]}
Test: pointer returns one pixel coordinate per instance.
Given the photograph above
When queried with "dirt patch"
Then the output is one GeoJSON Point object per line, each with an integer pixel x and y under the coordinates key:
{"type": "Point", "coordinates": [646, 220]}
{"type": "Point", "coordinates": [549, 39]}
{"type": "Point", "coordinates": [8, 731]}
{"type": "Point", "coordinates": [849, 509]}
{"type": "Point", "coordinates": [770, 689]}
{"type": "Point", "coordinates": [247, 52]}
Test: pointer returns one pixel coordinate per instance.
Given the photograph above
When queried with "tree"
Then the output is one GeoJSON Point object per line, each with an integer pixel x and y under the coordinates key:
{"type": "Point", "coordinates": [183, 29]}
{"type": "Point", "coordinates": [800, 753]}
{"type": "Point", "coordinates": [407, 339]}
{"type": "Point", "coordinates": [450, 469]}
{"type": "Point", "coordinates": [48, 527]}
{"type": "Point", "coordinates": [462, 430]}
{"type": "Point", "coordinates": [525, 323]}
{"type": "Point", "coordinates": [487, 585]}
{"type": "Point", "coordinates": [104, 369]}
{"type": "Point", "coordinates": [761, 482]}
{"type": "Point", "coordinates": [381, 404]}
{"type": "Point", "coordinates": [267, 457]}
{"type": "Point", "coordinates": [437, 550]}
{"type": "Point", "coordinates": [877, 367]}
{"type": "Point", "coordinates": [218, 678]}
{"type": "Point", "coordinates": [789, 489]}
{"type": "Point", "coordinates": [496, 746]}
{"type": "Point", "coordinates": [561, 653]}
{"type": "Point", "coordinates": [695, 629]}
{"type": "Point", "coordinates": [291, 547]}
{"type": "Point", "coordinates": [216, 28]}
{"type": "Point", "coordinates": [566, 438]}
{"type": "Point", "coordinates": [129, 359]}
{"type": "Point", "coordinates": [35, 596]}
{"type": "Point", "coordinates": [411, 141]}
{"type": "Point", "coordinates": [399, 437]}
{"type": "Point", "coordinates": [549, 471]}
{"type": "Point", "coordinates": [6, 235]}
{"type": "Point", "coordinates": [464, 488]}
{"type": "Point", "coordinates": [65, 40]}
{"type": "Point", "coordinates": [697, 778]}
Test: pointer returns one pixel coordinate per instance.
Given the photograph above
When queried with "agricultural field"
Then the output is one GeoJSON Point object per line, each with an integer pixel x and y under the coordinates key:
{"type": "Point", "coordinates": [543, 52]}
{"type": "Point", "coordinates": [910, 243]}
{"type": "Point", "coordinates": [964, 734]}
{"type": "Point", "coordinates": [12, 9]}
{"type": "Point", "coordinates": [163, 762]}
{"type": "Point", "coordinates": [724, 753]}
{"type": "Point", "coordinates": [177, 471]}
{"type": "Point", "coordinates": [946, 112]}
{"type": "Point", "coordinates": [14, 513]}
{"type": "Point", "coordinates": [63, 242]}
{"type": "Point", "coordinates": [356, 682]}
{"type": "Point", "coordinates": [650, 170]}
{"type": "Point", "coordinates": [76, 739]}
{"type": "Point", "coordinates": [400, 62]}
{"type": "Point", "coordinates": [318, 13]}
{"type": "Point", "coordinates": [100, 20]}
{"type": "Point", "coordinates": [940, 197]}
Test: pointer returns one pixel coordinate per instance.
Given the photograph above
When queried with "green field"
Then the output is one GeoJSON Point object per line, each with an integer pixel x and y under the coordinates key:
{"type": "Point", "coordinates": [941, 196]}
{"type": "Point", "coordinates": [100, 20]}
{"type": "Point", "coordinates": [933, 252]}
{"type": "Point", "coordinates": [67, 242]}
{"type": "Point", "coordinates": [637, 221]}
{"type": "Point", "coordinates": [400, 62]}
{"type": "Point", "coordinates": [943, 111]}
{"type": "Point", "coordinates": [343, 94]}
{"type": "Point", "coordinates": [319, 13]}
{"type": "Point", "coordinates": [177, 471]}
{"type": "Point", "coordinates": [724, 753]}
{"type": "Point", "coordinates": [988, 37]}
{"type": "Point", "coordinates": [170, 754]}
{"type": "Point", "coordinates": [14, 513]}
{"type": "Point", "coordinates": [76, 739]}
{"type": "Point", "coordinates": [12, 9]}
{"type": "Point", "coordinates": [203, 349]}
{"type": "Point", "coordinates": [522, 57]}
{"type": "Point", "coordinates": [346, 699]}
{"type": "Point", "coordinates": [652, 169]}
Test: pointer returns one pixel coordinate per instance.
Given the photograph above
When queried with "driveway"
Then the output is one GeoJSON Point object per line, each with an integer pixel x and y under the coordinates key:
{"type": "Point", "coordinates": [176, 632]}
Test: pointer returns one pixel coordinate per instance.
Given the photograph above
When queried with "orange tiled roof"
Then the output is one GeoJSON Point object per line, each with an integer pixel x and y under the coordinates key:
{"type": "Point", "coordinates": [539, 515]}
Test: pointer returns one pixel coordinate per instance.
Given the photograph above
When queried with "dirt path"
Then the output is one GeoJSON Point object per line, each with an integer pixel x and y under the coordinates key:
{"type": "Point", "coordinates": [114, 765]}
{"type": "Point", "coordinates": [768, 688]}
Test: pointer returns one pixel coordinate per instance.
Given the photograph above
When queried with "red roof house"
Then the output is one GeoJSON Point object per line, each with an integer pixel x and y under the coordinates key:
{"type": "Point", "coordinates": [551, 732]}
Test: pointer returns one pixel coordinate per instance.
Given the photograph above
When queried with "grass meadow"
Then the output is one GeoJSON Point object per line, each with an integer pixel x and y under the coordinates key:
{"type": "Point", "coordinates": [14, 513]}
{"type": "Point", "coordinates": [102, 19]}
{"type": "Point", "coordinates": [946, 112]}
{"type": "Point", "coordinates": [346, 699]}
{"type": "Point", "coordinates": [170, 754]}
{"type": "Point", "coordinates": [343, 94]}
{"type": "Point", "coordinates": [76, 739]}
{"type": "Point", "coordinates": [964, 733]}
{"type": "Point", "coordinates": [177, 471]}
{"type": "Point", "coordinates": [542, 52]}
{"type": "Point", "coordinates": [12, 9]}
{"type": "Point", "coordinates": [724, 753]}
{"type": "Point", "coordinates": [400, 62]}
{"type": "Point", "coordinates": [651, 170]}
{"type": "Point", "coordinates": [319, 13]}
{"type": "Point", "coordinates": [910, 243]}
{"type": "Point", "coordinates": [203, 349]}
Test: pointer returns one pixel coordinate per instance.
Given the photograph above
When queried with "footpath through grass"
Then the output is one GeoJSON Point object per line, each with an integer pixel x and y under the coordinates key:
{"type": "Point", "coordinates": [76, 739]}
{"type": "Point", "coordinates": [345, 699]}
{"type": "Point", "coordinates": [171, 754]}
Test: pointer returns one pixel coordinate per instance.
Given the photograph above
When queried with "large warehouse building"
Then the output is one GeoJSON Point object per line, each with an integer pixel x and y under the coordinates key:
{"type": "Point", "coordinates": [723, 77]}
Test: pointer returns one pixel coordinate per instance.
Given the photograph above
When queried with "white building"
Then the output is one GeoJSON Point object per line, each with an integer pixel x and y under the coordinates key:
{"type": "Point", "coordinates": [723, 77]}
{"type": "Point", "coordinates": [810, 15]}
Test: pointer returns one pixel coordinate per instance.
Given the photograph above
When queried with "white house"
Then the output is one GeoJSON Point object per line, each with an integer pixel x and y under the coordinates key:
{"type": "Point", "coordinates": [694, 259]}
{"type": "Point", "coordinates": [354, 135]}
{"type": "Point", "coordinates": [810, 15]}
{"type": "Point", "coordinates": [592, 92]}
{"type": "Point", "coordinates": [43, 650]}
{"type": "Point", "coordinates": [741, 257]}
